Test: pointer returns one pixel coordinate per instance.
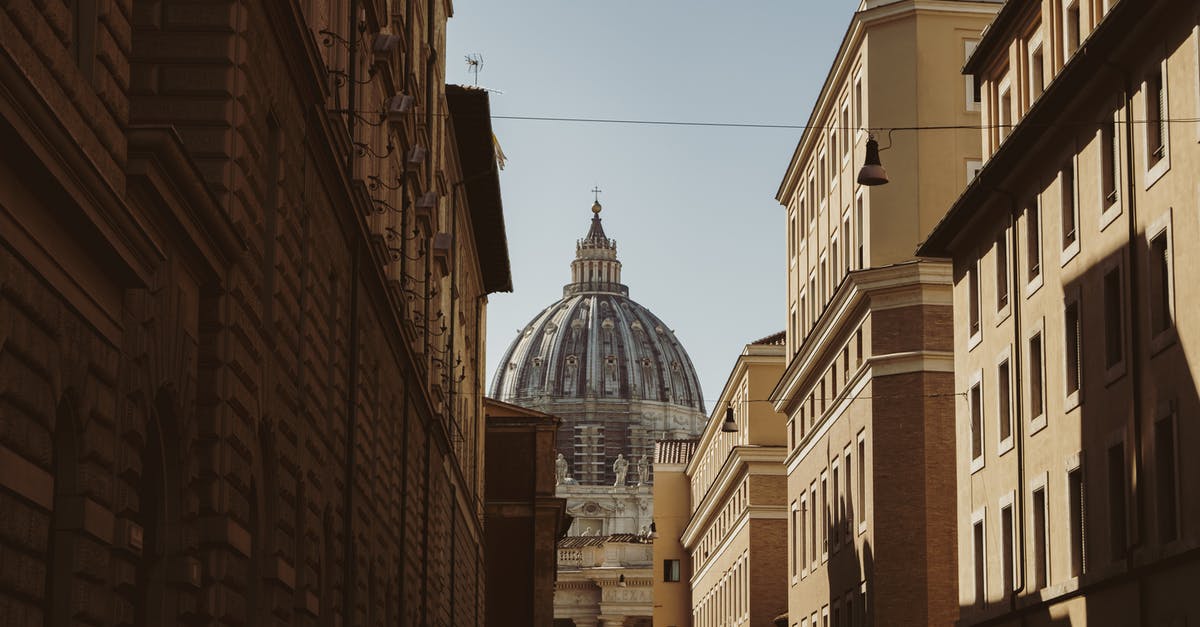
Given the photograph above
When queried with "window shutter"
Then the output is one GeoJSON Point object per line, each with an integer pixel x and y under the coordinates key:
{"type": "Point", "coordinates": [1162, 109]}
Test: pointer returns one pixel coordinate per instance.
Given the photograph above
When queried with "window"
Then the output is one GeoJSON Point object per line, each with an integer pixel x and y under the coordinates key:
{"type": "Point", "coordinates": [1161, 317]}
{"type": "Point", "coordinates": [837, 514]}
{"type": "Point", "coordinates": [846, 245]}
{"type": "Point", "coordinates": [1004, 403]}
{"type": "Point", "coordinates": [975, 399]}
{"type": "Point", "coordinates": [1037, 71]}
{"type": "Point", "coordinates": [1006, 548]}
{"type": "Point", "coordinates": [1002, 272]}
{"type": "Point", "coordinates": [973, 299]}
{"type": "Point", "coordinates": [858, 235]}
{"type": "Point", "coordinates": [1110, 162]}
{"type": "Point", "coordinates": [980, 550]}
{"type": "Point", "coordinates": [1116, 501]}
{"type": "Point", "coordinates": [824, 398]}
{"type": "Point", "coordinates": [797, 534]}
{"type": "Point", "coordinates": [1037, 403]}
{"type": "Point", "coordinates": [859, 120]}
{"type": "Point", "coordinates": [1156, 116]}
{"type": "Point", "coordinates": [1041, 565]}
{"type": "Point", "coordinates": [1070, 31]}
{"type": "Point", "coordinates": [825, 526]}
{"type": "Point", "coordinates": [1114, 345]}
{"type": "Point", "coordinates": [973, 168]}
{"type": "Point", "coordinates": [671, 570]}
{"type": "Point", "coordinates": [812, 523]}
{"type": "Point", "coordinates": [1072, 347]}
{"type": "Point", "coordinates": [1033, 240]}
{"type": "Point", "coordinates": [862, 478]}
{"type": "Point", "coordinates": [1076, 509]}
{"type": "Point", "coordinates": [849, 508]}
{"type": "Point", "coordinates": [792, 237]}
{"type": "Point", "coordinates": [803, 216]}
{"type": "Point", "coordinates": [973, 93]}
{"type": "Point", "coordinates": [1004, 120]}
{"type": "Point", "coordinates": [1167, 494]}
{"type": "Point", "coordinates": [1070, 209]}
{"type": "Point", "coordinates": [845, 130]}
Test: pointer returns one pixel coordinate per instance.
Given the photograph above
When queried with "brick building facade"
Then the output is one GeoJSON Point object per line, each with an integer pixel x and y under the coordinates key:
{"type": "Point", "coordinates": [245, 252]}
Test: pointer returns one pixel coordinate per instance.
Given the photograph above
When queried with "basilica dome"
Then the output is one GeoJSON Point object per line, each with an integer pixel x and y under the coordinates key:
{"type": "Point", "coordinates": [597, 343]}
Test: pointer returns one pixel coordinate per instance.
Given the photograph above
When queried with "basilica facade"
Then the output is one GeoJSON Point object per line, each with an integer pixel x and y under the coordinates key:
{"type": "Point", "coordinates": [619, 379]}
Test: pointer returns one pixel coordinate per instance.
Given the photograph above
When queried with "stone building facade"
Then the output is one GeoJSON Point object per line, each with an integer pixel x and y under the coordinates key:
{"type": "Point", "coordinates": [245, 252]}
{"type": "Point", "coordinates": [868, 379]}
{"type": "Point", "coordinates": [523, 517]}
{"type": "Point", "coordinates": [619, 379]}
{"type": "Point", "coordinates": [735, 532]}
{"type": "Point", "coordinates": [1077, 499]}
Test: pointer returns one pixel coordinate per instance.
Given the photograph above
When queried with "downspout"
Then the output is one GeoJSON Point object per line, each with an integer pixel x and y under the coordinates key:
{"type": "Point", "coordinates": [1018, 407]}
{"type": "Point", "coordinates": [1135, 364]}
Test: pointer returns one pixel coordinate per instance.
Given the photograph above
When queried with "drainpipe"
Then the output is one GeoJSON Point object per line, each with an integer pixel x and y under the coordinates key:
{"type": "Point", "coordinates": [1135, 356]}
{"type": "Point", "coordinates": [1017, 368]}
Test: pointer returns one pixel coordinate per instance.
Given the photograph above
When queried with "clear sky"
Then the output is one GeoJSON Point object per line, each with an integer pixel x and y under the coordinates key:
{"type": "Point", "coordinates": [693, 210]}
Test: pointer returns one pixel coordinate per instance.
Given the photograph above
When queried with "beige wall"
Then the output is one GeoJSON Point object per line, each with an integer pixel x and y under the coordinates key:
{"type": "Point", "coordinates": [906, 64]}
{"type": "Point", "coordinates": [737, 487]}
{"type": "Point", "coordinates": [672, 600]}
{"type": "Point", "coordinates": [1119, 404]}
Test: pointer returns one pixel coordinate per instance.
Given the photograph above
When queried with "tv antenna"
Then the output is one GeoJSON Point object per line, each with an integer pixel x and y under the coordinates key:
{"type": "Point", "coordinates": [474, 64]}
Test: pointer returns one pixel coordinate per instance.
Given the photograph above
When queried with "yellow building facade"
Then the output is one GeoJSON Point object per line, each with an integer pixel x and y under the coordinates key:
{"type": "Point", "coordinates": [869, 364]}
{"type": "Point", "coordinates": [1076, 500]}
{"type": "Point", "coordinates": [672, 509]}
{"type": "Point", "coordinates": [735, 528]}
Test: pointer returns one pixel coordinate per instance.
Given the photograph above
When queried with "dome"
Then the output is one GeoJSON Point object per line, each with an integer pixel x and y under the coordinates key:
{"type": "Point", "coordinates": [597, 343]}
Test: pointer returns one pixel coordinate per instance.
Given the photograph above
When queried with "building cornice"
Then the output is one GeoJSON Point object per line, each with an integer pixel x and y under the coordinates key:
{"type": "Point", "coordinates": [869, 14]}
{"type": "Point", "coordinates": [756, 460]}
{"type": "Point", "coordinates": [1030, 135]}
{"type": "Point", "coordinates": [918, 282]}
{"type": "Point", "coordinates": [752, 355]}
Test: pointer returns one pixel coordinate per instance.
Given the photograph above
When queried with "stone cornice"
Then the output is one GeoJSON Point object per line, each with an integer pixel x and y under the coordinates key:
{"type": "Point", "coordinates": [919, 282]}
{"type": "Point", "coordinates": [756, 460]}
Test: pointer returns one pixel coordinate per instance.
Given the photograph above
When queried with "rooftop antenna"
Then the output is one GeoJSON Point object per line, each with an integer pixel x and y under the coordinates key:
{"type": "Point", "coordinates": [474, 64]}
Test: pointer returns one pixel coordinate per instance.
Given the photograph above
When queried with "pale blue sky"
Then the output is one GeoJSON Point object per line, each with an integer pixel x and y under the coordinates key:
{"type": "Point", "coordinates": [692, 209]}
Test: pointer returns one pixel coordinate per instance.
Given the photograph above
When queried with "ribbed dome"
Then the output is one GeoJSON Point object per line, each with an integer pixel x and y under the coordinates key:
{"type": "Point", "coordinates": [596, 342]}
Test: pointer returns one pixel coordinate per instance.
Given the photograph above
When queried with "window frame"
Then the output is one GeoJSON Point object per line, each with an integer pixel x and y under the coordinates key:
{"type": "Point", "coordinates": [1040, 483]}
{"type": "Point", "coordinates": [1003, 276]}
{"type": "Point", "coordinates": [1154, 169]}
{"type": "Point", "coordinates": [1032, 218]}
{"type": "Point", "coordinates": [1167, 413]}
{"type": "Point", "coordinates": [1071, 250]}
{"type": "Point", "coordinates": [979, 574]}
{"type": "Point", "coordinates": [1161, 227]}
{"type": "Point", "coordinates": [978, 423]}
{"type": "Point", "coordinates": [1115, 370]}
{"type": "Point", "coordinates": [1003, 444]}
{"type": "Point", "coordinates": [1038, 421]}
{"type": "Point", "coordinates": [1112, 207]}
{"type": "Point", "coordinates": [1073, 399]}
{"type": "Point", "coordinates": [1073, 464]}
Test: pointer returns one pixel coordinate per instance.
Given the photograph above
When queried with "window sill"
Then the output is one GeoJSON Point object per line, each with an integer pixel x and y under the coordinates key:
{"type": "Point", "coordinates": [1156, 172]}
{"type": "Point", "coordinates": [1037, 424]}
{"type": "Point", "coordinates": [1003, 313]}
{"type": "Point", "coordinates": [1033, 286]}
{"type": "Point", "coordinates": [973, 341]}
{"type": "Point", "coordinates": [1162, 341]}
{"type": "Point", "coordinates": [862, 527]}
{"type": "Point", "coordinates": [1070, 252]}
{"type": "Point", "coordinates": [977, 464]}
{"type": "Point", "coordinates": [1072, 401]}
{"type": "Point", "coordinates": [1114, 373]}
{"type": "Point", "coordinates": [1110, 215]}
{"type": "Point", "coordinates": [1005, 446]}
